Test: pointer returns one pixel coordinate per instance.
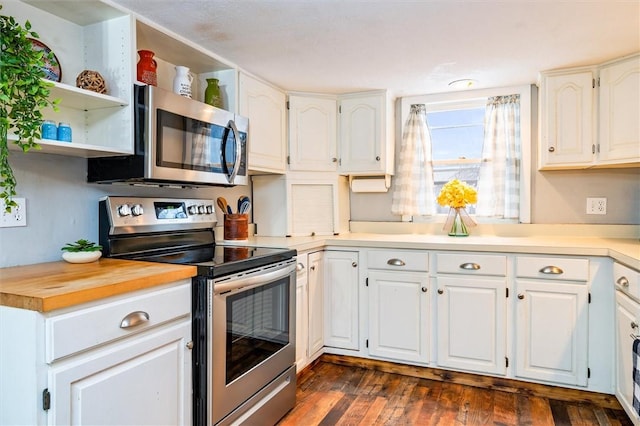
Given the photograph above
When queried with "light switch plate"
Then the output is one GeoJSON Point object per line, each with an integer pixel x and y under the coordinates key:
{"type": "Point", "coordinates": [18, 215]}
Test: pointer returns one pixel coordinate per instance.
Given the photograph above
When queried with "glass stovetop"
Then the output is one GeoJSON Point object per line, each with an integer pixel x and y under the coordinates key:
{"type": "Point", "coordinates": [215, 261]}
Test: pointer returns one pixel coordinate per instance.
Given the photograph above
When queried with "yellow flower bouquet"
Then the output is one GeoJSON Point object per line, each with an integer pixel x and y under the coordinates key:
{"type": "Point", "coordinates": [457, 195]}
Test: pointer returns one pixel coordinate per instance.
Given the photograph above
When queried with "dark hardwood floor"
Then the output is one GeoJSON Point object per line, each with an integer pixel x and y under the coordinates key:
{"type": "Point", "coordinates": [333, 394]}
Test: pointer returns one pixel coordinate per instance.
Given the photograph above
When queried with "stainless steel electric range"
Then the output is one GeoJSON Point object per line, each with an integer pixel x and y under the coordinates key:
{"type": "Point", "coordinates": [243, 301]}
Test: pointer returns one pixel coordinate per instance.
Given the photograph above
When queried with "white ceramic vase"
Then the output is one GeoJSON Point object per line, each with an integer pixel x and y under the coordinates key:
{"type": "Point", "coordinates": [182, 82]}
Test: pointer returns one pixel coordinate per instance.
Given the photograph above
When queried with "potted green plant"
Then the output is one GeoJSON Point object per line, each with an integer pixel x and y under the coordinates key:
{"type": "Point", "coordinates": [24, 93]}
{"type": "Point", "coordinates": [81, 251]}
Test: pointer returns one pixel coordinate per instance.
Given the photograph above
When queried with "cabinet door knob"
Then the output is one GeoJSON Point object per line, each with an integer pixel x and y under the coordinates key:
{"type": "Point", "coordinates": [551, 149]}
{"type": "Point", "coordinates": [334, 160]}
{"type": "Point", "coordinates": [623, 281]}
{"type": "Point", "coordinates": [424, 289]}
{"type": "Point", "coordinates": [634, 325]}
{"type": "Point", "coordinates": [133, 319]}
{"type": "Point", "coordinates": [551, 270]}
{"type": "Point", "coordinates": [190, 345]}
{"type": "Point", "coordinates": [440, 291]}
{"type": "Point", "coordinates": [300, 267]}
{"type": "Point", "coordinates": [470, 266]}
{"type": "Point", "coordinates": [313, 268]}
{"type": "Point", "coordinates": [354, 264]}
{"type": "Point", "coordinates": [521, 296]}
{"type": "Point", "coordinates": [395, 262]}
{"type": "Point", "coordinates": [377, 158]}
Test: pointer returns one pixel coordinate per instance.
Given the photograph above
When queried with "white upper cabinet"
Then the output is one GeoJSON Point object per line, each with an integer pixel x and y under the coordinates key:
{"type": "Point", "coordinates": [312, 133]}
{"type": "Point", "coordinates": [266, 108]}
{"type": "Point", "coordinates": [567, 120]}
{"type": "Point", "coordinates": [366, 148]}
{"type": "Point", "coordinates": [620, 111]}
{"type": "Point", "coordinates": [349, 134]}
{"type": "Point", "coordinates": [91, 35]}
{"type": "Point", "coordinates": [589, 116]}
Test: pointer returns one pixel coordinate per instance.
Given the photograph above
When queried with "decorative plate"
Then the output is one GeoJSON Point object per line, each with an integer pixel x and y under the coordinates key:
{"type": "Point", "coordinates": [51, 69]}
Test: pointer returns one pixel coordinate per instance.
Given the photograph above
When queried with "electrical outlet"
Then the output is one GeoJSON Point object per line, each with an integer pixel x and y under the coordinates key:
{"type": "Point", "coordinates": [597, 205]}
{"type": "Point", "coordinates": [18, 215]}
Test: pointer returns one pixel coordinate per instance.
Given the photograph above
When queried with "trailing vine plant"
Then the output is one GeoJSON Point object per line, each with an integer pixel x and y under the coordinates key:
{"type": "Point", "coordinates": [24, 93]}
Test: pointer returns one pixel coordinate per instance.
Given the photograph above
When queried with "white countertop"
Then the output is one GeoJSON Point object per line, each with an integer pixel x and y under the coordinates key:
{"type": "Point", "coordinates": [626, 251]}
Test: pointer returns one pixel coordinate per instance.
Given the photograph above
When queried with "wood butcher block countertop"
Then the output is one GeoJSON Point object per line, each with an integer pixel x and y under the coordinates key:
{"type": "Point", "coordinates": [48, 286]}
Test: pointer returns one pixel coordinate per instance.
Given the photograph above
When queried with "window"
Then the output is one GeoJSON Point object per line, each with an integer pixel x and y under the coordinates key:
{"type": "Point", "coordinates": [456, 143]}
{"type": "Point", "coordinates": [456, 127]}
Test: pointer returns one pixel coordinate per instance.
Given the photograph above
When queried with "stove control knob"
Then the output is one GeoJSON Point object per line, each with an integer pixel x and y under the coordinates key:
{"type": "Point", "coordinates": [209, 209]}
{"type": "Point", "coordinates": [201, 209]}
{"type": "Point", "coordinates": [124, 210]}
{"type": "Point", "coordinates": [137, 210]}
{"type": "Point", "coordinates": [192, 210]}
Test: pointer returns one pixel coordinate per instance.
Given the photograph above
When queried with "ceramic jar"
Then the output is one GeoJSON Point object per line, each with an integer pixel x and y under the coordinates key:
{"type": "Point", "coordinates": [182, 81]}
{"type": "Point", "coordinates": [146, 68]}
{"type": "Point", "coordinates": [212, 95]}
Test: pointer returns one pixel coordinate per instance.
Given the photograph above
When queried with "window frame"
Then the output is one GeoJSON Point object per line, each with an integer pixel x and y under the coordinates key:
{"type": "Point", "coordinates": [462, 99]}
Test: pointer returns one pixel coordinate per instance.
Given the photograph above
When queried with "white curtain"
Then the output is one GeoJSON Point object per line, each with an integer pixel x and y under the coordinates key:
{"type": "Point", "coordinates": [499, 179]}
{"type": "Point", "coordinates": [413, 192]}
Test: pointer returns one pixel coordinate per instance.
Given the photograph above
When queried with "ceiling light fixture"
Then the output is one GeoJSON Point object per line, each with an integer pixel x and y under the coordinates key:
{"type": "Point", "coordinates": [465, 83]}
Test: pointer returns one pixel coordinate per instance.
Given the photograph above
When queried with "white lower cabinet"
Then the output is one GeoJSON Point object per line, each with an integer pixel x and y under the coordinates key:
{"type": "Point", "coordinates": [124, 360]}
{"type": "Point", "coordinates": [399, 315]}
{"type": "Point", "coordinates": [552, 324]}
{"type": "Point", "coordinates": [627, 283]}
{"type": "Point", "coordinates": [341, 299]}
{"type": "Point", "coordinates": [398, 304]}
{"type": "Point", "coordinates": [627, 320]}
{"type": "Point", "coordinates": [141, 382]}
{"type": "Point", "coordinates": [471, 312]}
{"type": "Point", "coordinates": [315, 273]}
{"type": "Point", "coordinates": [302, 311]}
{"type": "Point", "coordinates": [471, 324]}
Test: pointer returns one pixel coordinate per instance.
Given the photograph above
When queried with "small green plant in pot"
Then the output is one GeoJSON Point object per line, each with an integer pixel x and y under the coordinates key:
{"type": "Point", "coordinates": [81, 251]}
{"type": "Point", "coordinates": [23, 95]}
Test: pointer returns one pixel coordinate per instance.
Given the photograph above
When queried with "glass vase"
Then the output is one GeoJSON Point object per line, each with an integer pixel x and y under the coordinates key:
{"type": "Point", "coordinates": [458, 227]}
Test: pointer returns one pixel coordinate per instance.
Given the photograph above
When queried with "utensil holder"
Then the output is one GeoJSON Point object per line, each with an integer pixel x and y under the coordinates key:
{"type": "Point", "coordinates": [236, 226]}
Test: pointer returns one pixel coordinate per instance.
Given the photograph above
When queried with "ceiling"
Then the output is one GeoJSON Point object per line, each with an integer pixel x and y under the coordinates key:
{"type": "Point", "coordinates": [408, 47]}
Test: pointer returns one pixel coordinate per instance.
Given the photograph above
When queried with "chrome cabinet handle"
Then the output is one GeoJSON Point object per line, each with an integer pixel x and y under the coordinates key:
{"type": "Point", "coordinates": [551, 270]}
{"type": "Point", "coordinates": [424, 289]}
{"type": "Point", "coordinates": [354, 264]}
{"type": "Point", "coordinates": [395, 262]}
{"type": "Point", "coordinates": [470, 266]}
{"type": "Point", "coordinates": [521, 296]}
{"type": "Point", "coordinates": [134, 318]}
{"type": "Point", "coordinates": [300, 267]}
{"type": "Point", "coordinates": [440, 291]}
{"type": "Point", "coordinates": [623, 281]}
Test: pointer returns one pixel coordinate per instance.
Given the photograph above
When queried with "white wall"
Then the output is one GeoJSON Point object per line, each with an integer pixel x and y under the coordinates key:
{"type": "Point", "coordinates": [62, 207]}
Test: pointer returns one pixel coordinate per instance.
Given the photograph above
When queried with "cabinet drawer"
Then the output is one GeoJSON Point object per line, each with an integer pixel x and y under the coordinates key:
{"type": "Point", "coordinates": [627, 280]}
{"type": "Point", "coordinates": [553, 268]}
{"type": "Point", "coordinates": [398, 260]}
{"type": "Point", "coordinates": [82, 329]}
{"type": "Point", "coordinates": [471, 263]}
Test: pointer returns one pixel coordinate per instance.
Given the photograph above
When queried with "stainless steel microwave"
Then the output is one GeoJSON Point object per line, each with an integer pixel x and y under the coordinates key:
{"type": "Point", "coordinates": [178, 141]}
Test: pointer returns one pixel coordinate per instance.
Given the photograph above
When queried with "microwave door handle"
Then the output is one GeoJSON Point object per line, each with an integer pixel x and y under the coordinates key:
{"type": "Point", "coordinates": [236, 165]}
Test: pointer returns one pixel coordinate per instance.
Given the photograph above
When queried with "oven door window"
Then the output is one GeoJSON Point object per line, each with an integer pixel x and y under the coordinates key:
{"type": "Point", "coordinates": [257, 326]}
{"type": "Point", "coordinates": [185, 143]}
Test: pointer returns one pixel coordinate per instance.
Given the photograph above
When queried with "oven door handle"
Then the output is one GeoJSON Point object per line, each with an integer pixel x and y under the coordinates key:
{"type": "Point", "coordinates": [253, 280]}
